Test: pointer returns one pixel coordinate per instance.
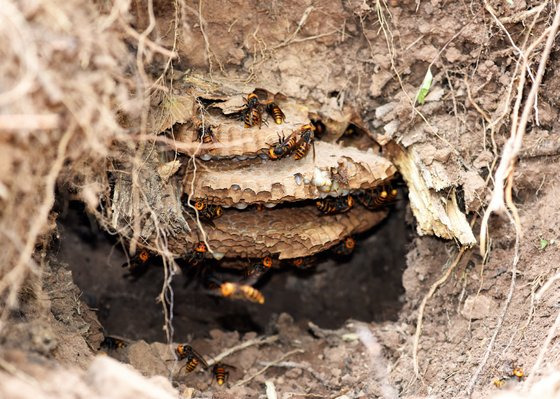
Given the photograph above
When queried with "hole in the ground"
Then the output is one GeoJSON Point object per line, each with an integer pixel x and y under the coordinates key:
{"type": "Point", "coordinates": [367, 286]}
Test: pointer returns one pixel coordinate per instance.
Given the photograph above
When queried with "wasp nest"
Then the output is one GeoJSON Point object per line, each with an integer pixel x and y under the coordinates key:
{"type": "Point", "coordinates": [251, 173]}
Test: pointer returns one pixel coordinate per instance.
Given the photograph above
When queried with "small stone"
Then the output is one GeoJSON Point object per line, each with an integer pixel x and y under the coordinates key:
{"type": "Point", "coordinates": [453, 55]}
{"type": "Point", "coordinates": [435, 94]}
{"type": "Point", "coordinates": [216, 334]}
{"type": "Point", "coordinates": [249, 336]}
{"type": "Point", "coordinates": [142, 358]}
{"type": "Point", "coordinates": [391, 127]}
{"type": "Point", "coordinates": [442, 155]}
{"type": "Point", "coordinates": [478, 307]}
{"type": "Point", "coordinates": [293, 373]}
{"type": "Point", "coordinates": [384, 109]}
{"type": "Point", "coordinates": [378, 82]}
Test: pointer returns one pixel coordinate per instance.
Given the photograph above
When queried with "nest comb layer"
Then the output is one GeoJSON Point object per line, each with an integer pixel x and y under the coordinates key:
{"type": "Point", "coordinates": [334, 171]}
{"type": "Point", "coordinates": [286, 232]}
{"type": "Point", "coordinates": [232, 139]}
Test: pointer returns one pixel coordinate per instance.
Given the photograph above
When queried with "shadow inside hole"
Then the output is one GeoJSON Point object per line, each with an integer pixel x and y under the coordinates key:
{"type": "Point", "coordinates": [365, 286]}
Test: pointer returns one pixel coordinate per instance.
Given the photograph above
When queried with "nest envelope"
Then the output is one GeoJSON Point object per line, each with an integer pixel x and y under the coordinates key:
{"type": "Point", "coordinates": [233, 170]}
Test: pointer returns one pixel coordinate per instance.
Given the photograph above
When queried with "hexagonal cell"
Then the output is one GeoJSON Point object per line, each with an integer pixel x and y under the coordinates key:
{"type": "Point", "coordinates": [334, 171]}
{"type": "Point", "coordinates": [285, 232]}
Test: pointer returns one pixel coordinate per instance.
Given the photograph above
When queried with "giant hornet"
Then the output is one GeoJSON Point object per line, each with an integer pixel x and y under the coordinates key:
{"type": "Point", "coordinates": [303, 263]}
{"type": "Point", "coordinates": [305, 141]}
{"type": "Point", "coordinates": [516, 373]}
{"type": "Point", "coordinates": [252, 115]}
{"type": "Point", "coordinates": [251, 294]}
{"type": "Point", "coordinates": [257, 270]}
{"type": "Point", "coordinates": [238, 291]}
{"type": "Point", "coordinates": [198, 253]}
{"type": "Point", "coordinates": [220, 372]}
{"type": "Point", "coordinates": [320, 127]}
{"type": "Point", "coordinates": [113, 343]}
{"type": "Point", "coordinates": [284, 146]}
{"type": "Point", "coordinates": [330, 206]}
{"type": "Point", "coordinates": [205, 134]}
{"type": "Point", "coordinates": [378, 197]}
{"type": "Point", "coordinates": [208, 211]}
{"type": "Point", "coordinates": [345, 247]}
{"type": "Point", "coordinates": [138, 263]}
{"type": "Point", "coordinates": [351, 130]}
{"type": "Point", "coordinates": [276, 113]}
{"type": "Point", "coordinates": [185, 351]}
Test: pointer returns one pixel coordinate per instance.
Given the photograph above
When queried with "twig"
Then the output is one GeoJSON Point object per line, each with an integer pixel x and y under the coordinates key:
{"type": "Point", "coordinates": [419, 320]}
{"type": "Point", "coordinates": [11, 369]}
{"type": "Point", "coordinates": [546, 286]}
{"type": "Point", "coordinates": [486, 355]}
{"type": "Point", "coordinates": [523, 15]}
{"type": "Point", "coordinates": [246, 380]}
{"type": "Point", "coordinates": [302, 21]}
{"type": "Point", "coordinates": [191, 193]}
{"type": "Point", "coordinates": [207, 47]}
{"type": "Point", "coordinates": [152, 45]}
{"type": "Point", "coordinates": [201, 23]}
{"type": "Point", "coordinates": [544, 349]}
{"type": "Point", "coordinates": [14, 278]}
{"type": "Point", "coordinates": [473, 102]}
{"type": "Point", "coordinates": [244, 345]}
{"type": "Point", "coordinates": [296, 365]}
{"type": "Point", "coordinates": [305, 39]}
{"type": "Point", "coordinates": [189, 148]}
{"type": "Point", "coordinates": [29, 122]}
{"type": "Point", "coordinates": [304, 395]}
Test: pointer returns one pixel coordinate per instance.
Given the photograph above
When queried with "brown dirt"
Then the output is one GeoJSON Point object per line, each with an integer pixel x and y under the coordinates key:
{"type": "Point", "coordinates": [343, 54]}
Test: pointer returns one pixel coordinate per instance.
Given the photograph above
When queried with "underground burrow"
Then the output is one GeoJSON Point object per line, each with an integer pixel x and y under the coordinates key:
{"type": "Point", "coordinates": [364, 286]}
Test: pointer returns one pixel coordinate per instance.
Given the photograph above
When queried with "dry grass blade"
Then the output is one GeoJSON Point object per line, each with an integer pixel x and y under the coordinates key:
{"type": "Point", "coordinates": [244, 345]}
{"type": "Point", "coordinates": [271, 364]}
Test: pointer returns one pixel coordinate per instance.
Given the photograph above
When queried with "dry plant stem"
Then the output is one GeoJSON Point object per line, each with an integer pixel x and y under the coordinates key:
{"type": "Point", "coordinates": [523, 15]}
{"type": "Point", "coordinates": [14, 278]}
{"type": "Point", "coordinates": [207, 46]}
{"type": "Point", "coordinates": [167, 299]}
{"type": "Point", "coordinates": [419, 320]}
{"type": "Point", "coordinates": [190, 205]}
{"type": "Point", "coordinates": [507, 302]}
{"type": "Point", "coordinates": [29, 122]}
{"type": "Point", "coordinates": [10, 368]}
{"type": "Point", "coordinates": [171, 54]}
{"type": "Point", "coordinates": [201, 23]}
{"type": "Point", "coordinates": [546, 286]}
{"type": "Point", "coordinates": [305, 395]}
{"type": "Point", "coordinates": [9, 14]}
{"type": "Point", "coordinates": [302, 21]}
{"type": "Point", "coordinates": [512, 147]}
{"type": "Point", "coordinates": [286, 355]}
{"type": "Point", "coordinates": [140, 67]}
{"type": "Point", "coordinates": [188, 147]}
{"type": "Point", "coordinates": [543, 352]}
{"type": "Point", "coordinates": [244, 345]}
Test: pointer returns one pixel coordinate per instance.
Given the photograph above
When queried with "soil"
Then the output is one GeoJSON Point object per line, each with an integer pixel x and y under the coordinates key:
{"type": "Point", "coordinates": [345, 329]}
